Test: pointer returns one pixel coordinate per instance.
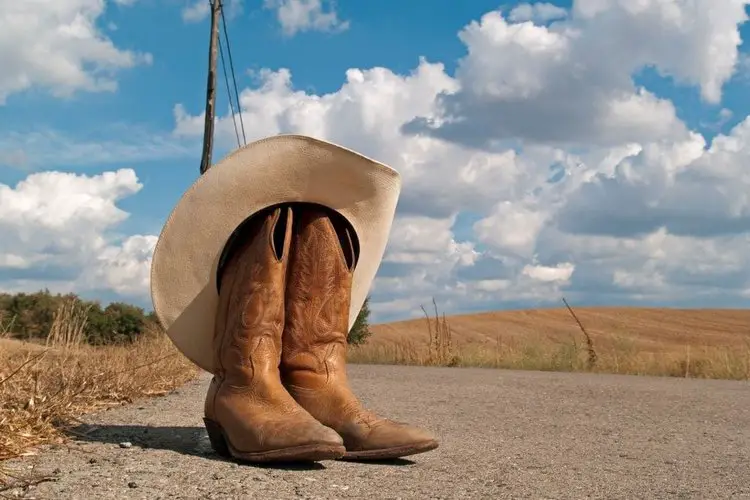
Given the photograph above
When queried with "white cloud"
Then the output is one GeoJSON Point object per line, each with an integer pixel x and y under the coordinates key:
{"type": "Point", "coordinates": [694, 41]}
{"type": "Point", "coordinates": [427, 241]}
{"type": "Point", "coordinates": [681, 186]}
{"type": "Point", "coordinates": [576, 180]}
{"type": "Point", "coordinates": [124, 268]}
{"type": "Point", "coordinates": [56, 231]}
{"type": "Point", "coordinates": [492, 286]}
{"type": "Point", "coordinates": [539, 13]}
{"type": "Point", "coordinates": [658, 267]}
{"type": "Point", "coordinates": [572, 83]}
{"type": "Point", "coordinates": [366, 114]}
{"type": "Point", "coordinates": [296, 16]}
{"type": "Point", "coordinates": [560, 272]}
{"type": "Point", "coordinates": [56, 45]}
{"type": "Point", "coordinates": [511, 227]}
{"type": "Point", "coordinates": [198, 10]}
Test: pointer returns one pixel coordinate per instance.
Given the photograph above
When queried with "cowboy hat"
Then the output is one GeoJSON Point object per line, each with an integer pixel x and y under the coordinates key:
{"type": "Point", "coordinates": [279, 169]}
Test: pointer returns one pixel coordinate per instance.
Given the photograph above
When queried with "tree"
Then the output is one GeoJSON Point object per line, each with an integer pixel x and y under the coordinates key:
{"type": "Point", "coordinates": [117, 323]}
{"type": "Point", "coordinates": [31, 315]}
{"type": "Point", "coordinates": [361, 328]}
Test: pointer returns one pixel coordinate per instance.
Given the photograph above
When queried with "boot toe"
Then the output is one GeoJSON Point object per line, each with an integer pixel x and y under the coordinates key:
{"type": "Point", "coordinates": [386, 440]}
{"type": "Point", "coordinates": [296, 433]}
{"type": "Point", "coordinates": [395, 435]}
{"type": "Point", "coordinates": [319, 433]}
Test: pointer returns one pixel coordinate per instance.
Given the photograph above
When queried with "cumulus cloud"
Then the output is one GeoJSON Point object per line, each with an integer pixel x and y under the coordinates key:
{"type": "Point", "coordinates": [296, 16]}
{"type": "Point", "coordinates": [56, 45]}
{"type": "Point", "coordinates": [572, 82]}
{"type": "Point", "coordinates": [682, 187]}
{"type": "Point", "coordinates": [558, 172]}
{"type": "Point", "coordinates": [124, 268]}
{"type": "Point", "coordinates": [656, 268]}
{"type": "Point", "coordinates": [441, 180]}
{"type": "Point", "coordinates": [560, 272]}
{"type": "Point", "coordinates": [366, 114]}
{"type": "Point", "coordinates": [56, 231]}
{"type": "Point", "coordinates": [428, 241]}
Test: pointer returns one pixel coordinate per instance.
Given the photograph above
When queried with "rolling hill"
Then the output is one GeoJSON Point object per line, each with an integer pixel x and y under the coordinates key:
{"type": "Point", "coordinates": [643, 329]}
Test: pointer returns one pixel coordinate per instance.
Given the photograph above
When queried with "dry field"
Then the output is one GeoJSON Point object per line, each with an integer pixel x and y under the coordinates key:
{"type": "Point", "coordinates": [707, 343]}
{"type": "Point", "coordinates": [44, 388]}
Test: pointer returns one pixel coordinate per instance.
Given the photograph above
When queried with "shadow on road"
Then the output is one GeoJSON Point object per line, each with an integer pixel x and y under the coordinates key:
{"type": "Point", "coordinates": [184, 440]}
{"type": "Point", "coordinates": [386, 461]}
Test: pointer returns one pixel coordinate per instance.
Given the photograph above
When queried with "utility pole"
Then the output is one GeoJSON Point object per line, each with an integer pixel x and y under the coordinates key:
{"type": "Point", "coordinates": [208, 129]}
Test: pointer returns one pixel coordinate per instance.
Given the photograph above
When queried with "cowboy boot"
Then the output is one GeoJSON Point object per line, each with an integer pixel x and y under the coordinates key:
{"type": "Point", "coordinates": [248, 413]}
{"type": "Point", "coordinates": [313, 362]}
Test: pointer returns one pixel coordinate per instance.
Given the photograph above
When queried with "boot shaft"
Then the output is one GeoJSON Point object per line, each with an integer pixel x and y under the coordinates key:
{"type": "Point", "coordinates": [252, 279]}
{"type": "Point", "coordinates": [319, 282]}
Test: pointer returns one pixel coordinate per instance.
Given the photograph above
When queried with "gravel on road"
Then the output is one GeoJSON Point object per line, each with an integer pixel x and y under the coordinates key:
{"type": "Point", "coordinates": [503, 434]}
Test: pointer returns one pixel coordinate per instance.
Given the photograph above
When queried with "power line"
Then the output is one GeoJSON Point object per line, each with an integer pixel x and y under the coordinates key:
{"type": "Point", "coordinates": [234, 78]}
{"type": "Point", "coordinates": [229, 93]}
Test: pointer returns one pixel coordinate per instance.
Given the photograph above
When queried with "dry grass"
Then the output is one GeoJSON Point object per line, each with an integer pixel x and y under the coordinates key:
{"type": "Point", "coordinates": [45, 387]}
{"type": "Point", "coordinates": [640, 341]}
{"type": "Point", "coordinates": [68, 325]}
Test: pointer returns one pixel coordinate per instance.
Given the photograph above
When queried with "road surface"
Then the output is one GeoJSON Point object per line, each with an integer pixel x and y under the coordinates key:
{"type": "Point", "coordinates": [504, 434]}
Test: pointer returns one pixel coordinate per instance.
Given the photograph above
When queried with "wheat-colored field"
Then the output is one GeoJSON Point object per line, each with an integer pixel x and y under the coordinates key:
{"type": "Point", "coordinates": [711, 343]}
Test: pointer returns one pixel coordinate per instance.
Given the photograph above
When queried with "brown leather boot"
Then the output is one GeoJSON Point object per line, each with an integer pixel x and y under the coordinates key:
{"type": "Point", "coordinates": [248, 413]}
{"type": "Point", "coordinates": [313, 362]}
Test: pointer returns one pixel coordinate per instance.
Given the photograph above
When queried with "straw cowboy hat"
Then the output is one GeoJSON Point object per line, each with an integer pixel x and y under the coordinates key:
{"type": "Point", "coordinates": [279, 169]}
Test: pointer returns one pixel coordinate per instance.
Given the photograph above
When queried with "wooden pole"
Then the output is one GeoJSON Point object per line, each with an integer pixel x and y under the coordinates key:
{"type": "Point", "coordinates": [208, 129]}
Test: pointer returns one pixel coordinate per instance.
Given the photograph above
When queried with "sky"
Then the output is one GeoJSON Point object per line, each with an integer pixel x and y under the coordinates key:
{"type": "Point", "coordinates": [597, 150]}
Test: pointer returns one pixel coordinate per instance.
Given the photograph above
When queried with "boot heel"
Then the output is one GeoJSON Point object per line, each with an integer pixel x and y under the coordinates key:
{"type": "Point", "coordinates": [216, 437]}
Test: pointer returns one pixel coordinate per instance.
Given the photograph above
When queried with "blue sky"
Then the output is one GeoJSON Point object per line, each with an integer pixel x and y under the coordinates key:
{"type": "Point", "coordinates": [146, 95]}
{"type": "Point", "coordinates": [618, 103]}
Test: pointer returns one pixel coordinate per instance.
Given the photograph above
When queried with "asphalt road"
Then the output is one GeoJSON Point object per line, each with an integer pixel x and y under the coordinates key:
{"type": "Point", "coordinates": [503, 434]}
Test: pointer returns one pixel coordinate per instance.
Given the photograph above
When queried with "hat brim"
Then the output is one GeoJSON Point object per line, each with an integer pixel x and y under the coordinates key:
{"type": "Point", "coordinates": [279, 169]}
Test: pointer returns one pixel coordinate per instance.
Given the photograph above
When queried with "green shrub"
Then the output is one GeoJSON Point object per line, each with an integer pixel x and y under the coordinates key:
{"type": "Point", "coordinates": [117, 323]}
{"type": "Point", "coordinates": [30, 316]}
{"type": "Point", "coordinates": [360, 330]}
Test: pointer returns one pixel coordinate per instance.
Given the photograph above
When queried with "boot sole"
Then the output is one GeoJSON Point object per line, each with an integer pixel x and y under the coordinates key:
{"type": "Point", "coordinates": [390, 453]}
{"type": "Point", "coordinates": [304, 453]}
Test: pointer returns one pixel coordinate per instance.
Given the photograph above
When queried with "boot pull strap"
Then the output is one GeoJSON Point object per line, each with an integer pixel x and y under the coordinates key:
{"type": "Point", "coordinates": [349, 246]}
